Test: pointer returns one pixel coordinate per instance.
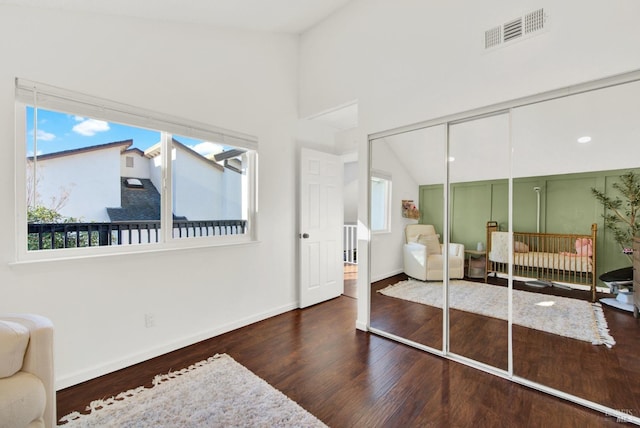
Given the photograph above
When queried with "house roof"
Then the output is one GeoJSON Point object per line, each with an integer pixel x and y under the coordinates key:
{"type": "Point", "coordinates": [154, 151]}
{"type": "Point", "coordinates": [138, 203]}
{"type": "Point", "coordinates": [135, 150]}
{"type": "Point", "coordinates": [125, 144]}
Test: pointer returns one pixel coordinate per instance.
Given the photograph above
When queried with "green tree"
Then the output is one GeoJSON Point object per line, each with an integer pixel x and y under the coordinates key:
{"type": "Point", "coordinates": [42, 215]}
{"type": "Point", "coordinates": [621, 216]}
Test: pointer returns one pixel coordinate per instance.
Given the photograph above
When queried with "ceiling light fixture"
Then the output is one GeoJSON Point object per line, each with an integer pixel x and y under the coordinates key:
{"type": "Point", "coordinates": [585, 139]}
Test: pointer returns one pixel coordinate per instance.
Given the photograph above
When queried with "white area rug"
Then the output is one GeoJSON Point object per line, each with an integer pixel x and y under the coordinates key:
{"type": "Point", "coordinates": [573, 318]}
{"type": "Point", "coordinates": [218, 392]}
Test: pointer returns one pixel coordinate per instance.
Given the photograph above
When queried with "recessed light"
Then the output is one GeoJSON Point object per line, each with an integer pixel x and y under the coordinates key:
{"type": "Point", "coordinates": [584, 139]}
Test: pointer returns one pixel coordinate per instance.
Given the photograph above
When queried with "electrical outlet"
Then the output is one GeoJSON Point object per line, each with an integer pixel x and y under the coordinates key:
{"type": "Point", "coordinates": [149, 320]}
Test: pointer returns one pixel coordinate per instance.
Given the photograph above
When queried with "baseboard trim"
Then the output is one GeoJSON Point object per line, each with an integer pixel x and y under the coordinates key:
{"type": "Point", "coordinates": [100, 370]}
{"type": "Point", "coordinates": [361, 326]}
{"type": "Point", "coordinates": [386, 275]}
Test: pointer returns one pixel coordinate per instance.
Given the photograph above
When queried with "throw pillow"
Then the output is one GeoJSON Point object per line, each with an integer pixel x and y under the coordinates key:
{"type": "Point", "coordinates": [584, 247]}
{"type": "Point", "coordinates": [520, 247]}
{"type": "Point", "coordinates": [14, 339]}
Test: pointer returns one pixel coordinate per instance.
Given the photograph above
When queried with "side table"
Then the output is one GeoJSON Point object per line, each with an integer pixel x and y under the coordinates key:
{"type": "Point", "coordinates": [477, 263]}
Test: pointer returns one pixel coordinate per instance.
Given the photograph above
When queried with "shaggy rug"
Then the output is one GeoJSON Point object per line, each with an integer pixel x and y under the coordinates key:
{"type": "Point", "coordinates": [573, 318]}
{"type": "Point", "coordinates": [218, 392]}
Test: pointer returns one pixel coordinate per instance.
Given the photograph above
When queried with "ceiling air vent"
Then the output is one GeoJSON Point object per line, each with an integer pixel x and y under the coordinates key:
{"type": "Point", "coordinates": [493, 37]}
{"type": "Point", "coordinates": [513, 29]}
{"type": "Point", "coordinates": [521, 27]}
{"type": "Point", "coordinates": [534, 21]}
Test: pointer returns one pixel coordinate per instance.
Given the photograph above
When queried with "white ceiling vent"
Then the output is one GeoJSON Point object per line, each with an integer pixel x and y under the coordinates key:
{"type": "Point", "coordinates": [518, 28]}
{"type": "Point", "coordinates": [493, 37]}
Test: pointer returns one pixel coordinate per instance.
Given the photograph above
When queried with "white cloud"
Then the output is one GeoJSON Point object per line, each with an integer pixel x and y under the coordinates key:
{"type": "Point", "coordinates": [45, 136]}
{"type": "Point", "coordinates": [90, 127]}
{"type": "Point", "coordinates": [207, 148]}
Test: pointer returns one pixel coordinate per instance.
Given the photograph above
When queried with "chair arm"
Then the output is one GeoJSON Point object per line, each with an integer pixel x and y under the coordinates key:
{"type": "Point", "coordinates": [415, 260]}
{"type": "Point", "coordinates": [38, 358]}
{"type": "Point", "coordinates": [456, 250]}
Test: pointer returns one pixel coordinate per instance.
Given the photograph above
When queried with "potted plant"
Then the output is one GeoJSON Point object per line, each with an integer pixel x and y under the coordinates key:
{"type": "Point", "coordinates": [621, 215]}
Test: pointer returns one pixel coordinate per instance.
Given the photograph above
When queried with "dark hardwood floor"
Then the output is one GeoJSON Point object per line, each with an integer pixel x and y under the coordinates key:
{"type": "Point", "coordinates": [350, 280]}
{"type": "Point", "coordinates": [609, 376]}
{"type": "Point", "coordinates": [349, 378]}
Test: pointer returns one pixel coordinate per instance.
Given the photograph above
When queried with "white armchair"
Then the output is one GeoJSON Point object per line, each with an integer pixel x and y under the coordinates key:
{"type": "Point", "coordinates": [27, 392]}
{"type": "Point", "coordinates": [423, 255]}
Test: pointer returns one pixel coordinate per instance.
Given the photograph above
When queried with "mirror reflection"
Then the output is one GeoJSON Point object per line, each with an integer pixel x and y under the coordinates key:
{"type": "Point", "coordinates": [409, 251]}
{"type": "Point", "coordinates": [566, 242]}
{"type": "Point", "coordinates": [565, 153]}
{"type": "Point", "coordinates": [478, 193]}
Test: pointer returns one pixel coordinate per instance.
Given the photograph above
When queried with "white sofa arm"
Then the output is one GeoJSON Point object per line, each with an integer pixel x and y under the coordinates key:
{"type": "Point", "coordinates": [38, 358]}
{"type": "Point", "coordinates": [415, 260]}
{"type": "Point", "coordinates": [456, 250]}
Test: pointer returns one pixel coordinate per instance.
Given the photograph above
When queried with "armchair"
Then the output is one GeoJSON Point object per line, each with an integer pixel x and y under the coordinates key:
{"type": "Point", "coordinates": [27, 391]}
{"type": "Point", "coordinates": [423, 254]}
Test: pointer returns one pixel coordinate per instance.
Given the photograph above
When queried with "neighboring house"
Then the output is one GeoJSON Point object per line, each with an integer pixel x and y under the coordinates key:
{"type": "Point", "coordinates": [202, 188]}
{"type": "Point", "coordinates": [87, 178]}
{"type": "Point", "coordinates": [92, 184]}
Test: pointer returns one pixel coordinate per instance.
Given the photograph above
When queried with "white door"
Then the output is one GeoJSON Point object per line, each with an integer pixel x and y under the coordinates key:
{"type": "Point", "coordinates": [320, 235]}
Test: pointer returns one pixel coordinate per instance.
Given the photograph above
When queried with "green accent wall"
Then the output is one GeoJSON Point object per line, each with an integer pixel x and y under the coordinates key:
{"type": "Point", "coordinates": [566, 206]}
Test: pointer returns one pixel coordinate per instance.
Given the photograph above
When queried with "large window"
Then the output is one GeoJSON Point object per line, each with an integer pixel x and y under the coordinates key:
{"type": "Point", "coordinates": [97, 176]}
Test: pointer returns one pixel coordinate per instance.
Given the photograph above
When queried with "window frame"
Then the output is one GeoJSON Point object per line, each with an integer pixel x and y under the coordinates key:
{"type": "Point", "coordinates": [377, 175]}
{"type": "Point", "coordinates": [38, 95]}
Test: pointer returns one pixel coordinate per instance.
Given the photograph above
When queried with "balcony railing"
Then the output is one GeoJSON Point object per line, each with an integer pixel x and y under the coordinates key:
{"type": "Point", "coordinates": [350, 243]}
{"type": "Point", "coordinates": [71, 235]}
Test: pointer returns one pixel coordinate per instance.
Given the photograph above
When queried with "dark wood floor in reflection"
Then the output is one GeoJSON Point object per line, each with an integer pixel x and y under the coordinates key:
{"type": "Point", "coordinates": [605, 375]}
{"type": "Point", "coordinates": [349, 378]}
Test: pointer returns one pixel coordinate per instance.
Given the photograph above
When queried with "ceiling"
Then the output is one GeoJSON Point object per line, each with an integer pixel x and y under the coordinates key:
{"type": "Point", "coordinates": [278, 16]}
{"type": "Point", "coordinates": [273, 16]}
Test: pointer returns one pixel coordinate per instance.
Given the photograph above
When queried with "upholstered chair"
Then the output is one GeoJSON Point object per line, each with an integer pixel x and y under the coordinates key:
{"type": "Point", "coordinates": [27, 391]}
{"type": "Point", "coordinates": [424, 254]}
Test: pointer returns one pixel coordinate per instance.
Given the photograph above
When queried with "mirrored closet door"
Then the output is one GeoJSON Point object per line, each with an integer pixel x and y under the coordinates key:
{"type": "Point", "coordinates": [408, 252]}
{"type": "Point", "coordinates": [478, 194]}
{"type": "Point", "coordinates": [530, 189]}
{"type": "Point", "coordinates": [565, 151]}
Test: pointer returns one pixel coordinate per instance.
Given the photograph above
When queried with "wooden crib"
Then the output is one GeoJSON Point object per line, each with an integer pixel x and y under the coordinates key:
{"type": "Point", "coordinates": [562, 258]}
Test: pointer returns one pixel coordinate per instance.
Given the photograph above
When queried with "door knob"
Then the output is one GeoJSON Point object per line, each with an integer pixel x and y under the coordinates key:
{"type": "Point", "coordinates": [304, 235]}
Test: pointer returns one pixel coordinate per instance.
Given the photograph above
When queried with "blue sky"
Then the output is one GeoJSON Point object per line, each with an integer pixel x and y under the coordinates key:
{"type": "Point", "coordinates": [61, 131]}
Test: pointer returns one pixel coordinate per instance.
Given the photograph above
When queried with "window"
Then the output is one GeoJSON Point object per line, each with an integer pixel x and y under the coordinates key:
{"type": "Point", "coordinates": [104, 177]}
{"type": "Point", "coordinates": [380, 201]}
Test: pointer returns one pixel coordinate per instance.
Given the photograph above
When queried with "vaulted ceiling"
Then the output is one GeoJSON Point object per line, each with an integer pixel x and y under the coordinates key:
{"type": "Point", "coordinates": [279, 16]}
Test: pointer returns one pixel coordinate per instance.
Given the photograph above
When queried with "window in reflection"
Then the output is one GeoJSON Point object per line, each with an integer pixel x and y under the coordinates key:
{"type": "Point", "coordinates": [380, 202]}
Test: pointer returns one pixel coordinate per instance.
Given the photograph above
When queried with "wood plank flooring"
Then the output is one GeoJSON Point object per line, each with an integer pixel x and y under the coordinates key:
{"type": "Point", "coordinates": [349, 378]}
{"type": "Point", "coordinates": [609, 376]}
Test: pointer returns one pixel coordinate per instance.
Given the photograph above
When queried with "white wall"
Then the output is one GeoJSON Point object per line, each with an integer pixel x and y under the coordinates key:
{"type": "Point", "coordinates": [390, 262]}
{"type": "Point", "coordinates": [90, 179]}
{"type": "Point", "coordinates": [196, 187]}
{"type": "Point", "coordinates": [410, 61]}
{"type": "Point", "coordinates": [237, 80]}
{"type": "Point", "coordinates": [140, 167]}
{"type": "Point", "coordinates": [350, 192]}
